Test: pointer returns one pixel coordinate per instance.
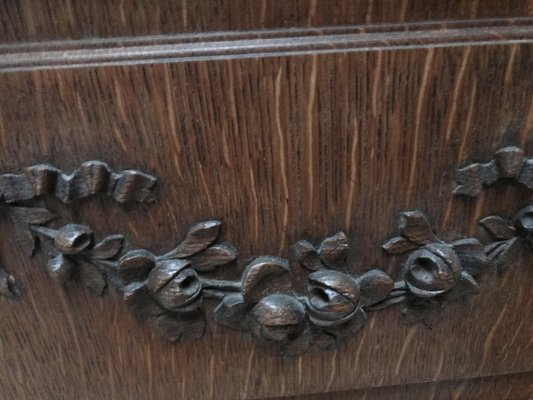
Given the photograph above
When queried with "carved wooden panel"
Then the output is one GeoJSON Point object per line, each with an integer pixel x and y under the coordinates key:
{"type": "Point", "coordinates": [169, 289]}
{"type": "Point", "coordinates": [283, 149]}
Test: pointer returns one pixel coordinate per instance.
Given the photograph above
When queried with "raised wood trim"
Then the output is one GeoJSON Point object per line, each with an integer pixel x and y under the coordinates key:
{"type": "Point", "coordinates": [268, 43]}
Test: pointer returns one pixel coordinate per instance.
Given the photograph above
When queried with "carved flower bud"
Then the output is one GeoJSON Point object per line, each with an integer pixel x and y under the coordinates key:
{"type": "Point", "coordinates": [175, 285]}
{"type": "Point", "coordinates": [60, 268]}
{"type": "Point", "coordinates": [432, 270]}
{"type": "Point", "coordinates": [524, 219]}
{"type": "Point", "coordinates": [277, 317]}
{"type": "Point", "coordinates": [332, 297]}
{"type": "Point", "coordinates": [73, 238]}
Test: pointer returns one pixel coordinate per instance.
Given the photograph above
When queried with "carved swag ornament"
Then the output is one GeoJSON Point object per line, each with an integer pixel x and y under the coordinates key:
{"type": "Point", "coordinates": [168, 290]}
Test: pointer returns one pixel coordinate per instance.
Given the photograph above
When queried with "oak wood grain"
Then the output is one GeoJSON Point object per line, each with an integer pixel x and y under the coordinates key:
{"type": "Point", "coordinates": [38, 20]}
{"type": "Point", "coordinates": [280, 148]}
{"type": "Point", "coordinates": [507, 387]}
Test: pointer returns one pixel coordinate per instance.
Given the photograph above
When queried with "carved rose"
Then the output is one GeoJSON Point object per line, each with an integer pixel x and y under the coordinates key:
{"type": "Point", "coordinates": [432, 270]}
{"type": "Point", "coordinates": [332, 297]}
{"type": "Point", "coordinates": [70, 240]}
{"type": "Point", "coordinates": [277, 317]}
{"type": "Point", "coordinates": [524, 223]}
{"type": "Point", "coordinates": [175, 285]}
{"type": "Point", "coordinates": [524, 220]}
{"type": "Point", "coordinates": [73, 238]}
{"type": "Point", "coordinates": [170, 296]}
{"type": "Point", "coordinates": [445, 269]}
{"type": "Point", "coordinates": [77, 252]}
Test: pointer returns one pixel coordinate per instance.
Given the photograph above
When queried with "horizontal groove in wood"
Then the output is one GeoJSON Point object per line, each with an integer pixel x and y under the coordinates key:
{"type": "Point", "coordinates": [276, 42]}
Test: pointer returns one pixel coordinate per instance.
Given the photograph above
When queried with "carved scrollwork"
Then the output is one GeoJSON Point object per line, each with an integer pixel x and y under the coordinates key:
{"type": "Point", "coordinates": [331, 307]}
{"type": "Point", "coordinates": [168, 290]}
{"type": "Point", "coordinates": [508, 163]}
{"type": "Point", "coordinates": [505, 238]}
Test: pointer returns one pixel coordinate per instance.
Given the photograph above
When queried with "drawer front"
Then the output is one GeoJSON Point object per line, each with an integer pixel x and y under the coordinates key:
{"type": "Point", "coordinates": [282, 137]}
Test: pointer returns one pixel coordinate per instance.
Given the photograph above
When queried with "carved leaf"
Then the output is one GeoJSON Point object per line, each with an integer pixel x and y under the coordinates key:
{"type": "Point", "coordinates": [135, 265]}
{"type": "Point", "coordinates": [504, 253]}
{"type": "Point", "coordinates": [428, 311]}
{"type": "Point", "coordinates": [307, 255]}
{"type": "Point", "coordinates": [498, 227]}
{"type": "Point", "coordinates": [133, 185]}
{"type": "Point", "coordinates": [375, 286]}
{"type": "Point", "coordinates": [22, 218]}
{"type": "Point", "coordinates": [415, 226]}
{"type": "Point", "coordinates": [469, 180]}
{"type": "Point", "coordinates": [15, 187]}
{"type": "Point", "coordinates": [95, 176]}
{"type": "Point", "coordinates": [526, 175]}
{"type": "Point", "coordinates": [214, 256]}
{"type": "Point", "coordinates": [509, 161]}
{"type": "Point", "coordinates": [92, 277]}
{"type": "Point", "coordinates": [349, 328]}
{"type": "Point", "coordinates": [334, 250]}
{"type": "Point", "coordinates": [399, 245]}
{"type": "Point", "coordinates": [8, 286]}
{"type": "Point", "coordinates": [471, 255]}
{"type": "Point", "coordinates": [180, 328]}
{"type": "Point", "coordinates": [140, 303]}
{"type": "Point", "coordinates": [108, 248]}
{"type": "Point", "coordinates": [465, 286]}
{"type": "Point", "coordinates": [264, 275]}
{"type": "Point", "coordinates": [489, 173]}
{"type": "Point", "coordinates": [297, 346]}
{"type": "Point", "coordinates": [33, 215]}
{"type": "Point", "coordinates": [90, 178]}
{"type": "Point", "coordinates": [42, 178]}
{"type": "Point", "coordinates": [325, 341]}
{"type": "Point", "coordinates": [231, 312]}
{"type": "Point", "coordinates": [199, 237]}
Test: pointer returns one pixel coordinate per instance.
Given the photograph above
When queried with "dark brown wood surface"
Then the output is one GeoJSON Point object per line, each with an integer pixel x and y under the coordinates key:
{"type": "Point", "coordinates": [39, 20]}
{"type": "Point", "coordinates": [507, 387]}
{"type": "Point", "coordinates": [280, 148]}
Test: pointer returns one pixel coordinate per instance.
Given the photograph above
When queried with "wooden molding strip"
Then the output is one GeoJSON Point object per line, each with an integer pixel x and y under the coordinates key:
{"type": "Point", "coordinates": [267, 43]}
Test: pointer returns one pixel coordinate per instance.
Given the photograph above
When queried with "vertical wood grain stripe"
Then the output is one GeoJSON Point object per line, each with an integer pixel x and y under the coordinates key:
{"type": "Point", "coordinates": [421, 102]}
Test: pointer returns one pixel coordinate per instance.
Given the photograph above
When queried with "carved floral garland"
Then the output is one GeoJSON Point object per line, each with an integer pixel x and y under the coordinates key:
{"type": "Point", "coordinates": [168, 290]}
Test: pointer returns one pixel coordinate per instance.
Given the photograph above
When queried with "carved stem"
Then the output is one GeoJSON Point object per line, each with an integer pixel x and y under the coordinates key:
{"type": "Point", "coordinates": [398, 295]}
{"type": "Point", "coordinates": [44, 231]}
{"type": "Point", "coordinates": [220, 285]}
{"type": "Point", "coordinates": [214, 294]}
